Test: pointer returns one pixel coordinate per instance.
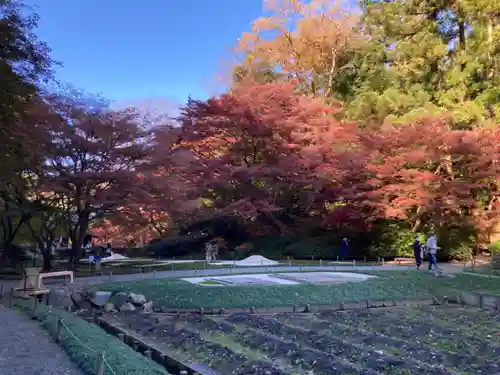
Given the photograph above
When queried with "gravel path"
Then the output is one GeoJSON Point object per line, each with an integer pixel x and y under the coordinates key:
{"type": "Point", "coordinates": [26, 349]}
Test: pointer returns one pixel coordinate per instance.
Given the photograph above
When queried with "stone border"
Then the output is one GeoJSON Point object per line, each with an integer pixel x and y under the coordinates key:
{"type": "Point", "coordinates": [481, 300]}
{"type": "Point", "coordinates": [309, 308]}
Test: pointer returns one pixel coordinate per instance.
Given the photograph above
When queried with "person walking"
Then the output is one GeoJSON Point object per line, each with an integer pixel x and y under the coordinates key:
{"type": "Point", "coordinates": [432, 249]}
{"type": "Point", "coordinates": [344, 248]}
{"type": "Point", "coordinates": [417, 251]}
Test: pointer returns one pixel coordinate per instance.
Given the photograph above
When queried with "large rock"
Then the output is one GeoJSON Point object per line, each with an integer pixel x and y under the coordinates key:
{"type": "Point", "coordinates": [109, 307]}
{"type": "Point", "coordinates": [137, 299]}
{"type": "Point", "coordinates": [120, 298]}
{"type": "Point", "coordinates": [127, 307]}
{"type": "Point", "coordinates": [100, 298]}
{"type": "Point", "coordinates": [60, 297]}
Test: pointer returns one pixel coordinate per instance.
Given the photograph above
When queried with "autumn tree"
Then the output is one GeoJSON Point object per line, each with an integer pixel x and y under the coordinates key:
{"type": "Point", "coordinates": [308, 41]}
{"type": "Point", "coordinates": [249, 149]}
{"type": "Point", "coordinates": [432, 176]}
{"type": "Point", "coordinates": [24, 63]}
{"type": "Point", "coordinates": [91, 168]}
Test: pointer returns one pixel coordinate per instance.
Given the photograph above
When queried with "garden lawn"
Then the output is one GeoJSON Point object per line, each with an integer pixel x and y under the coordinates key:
{"type": "Point", "coordinates": [408, 285]}
{"type": "Point", "coordinates": [122, 359]}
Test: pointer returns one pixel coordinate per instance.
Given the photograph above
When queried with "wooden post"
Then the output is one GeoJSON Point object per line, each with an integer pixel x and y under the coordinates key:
{"type": "Point", "coordinates": [35, 304]}
{"type": "Point", "coordinates": [58, 329]}
{"type": "Point", "coordinates": [11, 295]}
{"type": "Point", "coordinates": [383, 262]}
{"type": "Point", "coordinates": [100, 364]}
{"type": "Point", "coordinates": [481, 301]}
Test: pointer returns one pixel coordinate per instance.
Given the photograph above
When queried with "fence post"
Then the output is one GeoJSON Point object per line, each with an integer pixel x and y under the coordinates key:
{"type": "Point", "coordinates": [58, 329]}
{"type": "Point", "coordinates": [11, 295]}
{"type": "Point", "coordinates": [481, 301]}
{"type": "Point", "coordinates": [35, 304]}
{"type": "Point", "coordinates": [100, 364]}
{"type": "Point", "coordinates": [1, 290]}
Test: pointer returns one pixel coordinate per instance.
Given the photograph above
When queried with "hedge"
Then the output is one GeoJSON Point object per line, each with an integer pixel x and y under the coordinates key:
{"type": "Point", "coordinates": [122, 359]}
{"type": "Point", "coordinates": [389, 285]}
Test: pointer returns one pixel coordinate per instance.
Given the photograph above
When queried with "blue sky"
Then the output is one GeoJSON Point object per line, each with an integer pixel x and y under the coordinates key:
{"type": "Point", "coordinates": [128, 50]}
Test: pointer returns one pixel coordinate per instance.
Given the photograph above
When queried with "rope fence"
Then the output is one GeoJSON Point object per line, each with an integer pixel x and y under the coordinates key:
{"type": "Point", "coordinates": [59, 329]}
{"type": "Point", "coordinates": [92, 360]}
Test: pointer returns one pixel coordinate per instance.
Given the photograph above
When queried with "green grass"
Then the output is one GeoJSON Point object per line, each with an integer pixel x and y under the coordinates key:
{"type": "Point", "coordinates": [414, 285]}
{"type": "Point", "coordinates": [121, 358]}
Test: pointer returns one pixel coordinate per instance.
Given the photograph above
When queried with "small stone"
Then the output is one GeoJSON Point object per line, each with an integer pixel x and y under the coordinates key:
{"type": "Point", "coordinates": [109, 307]}
{"type": "Point", "coordinates": [127, 307]}
{"type": "Point", "coordinates": [147, 307]}
{"type": "Point", "coordinates": [137, 299]}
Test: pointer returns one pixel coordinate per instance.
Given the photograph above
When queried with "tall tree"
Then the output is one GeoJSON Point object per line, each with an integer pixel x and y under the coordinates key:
{"type": "Point", "coordinates": [427, 58]}
{"type": "Point", "coordinates": [250, 149]}
{"type": "Point", "coordinates": [91, 168]}
{"type": "Point", "coordinates": [24, 63]}
{"type": "Point", "coordinates": [307, 41]}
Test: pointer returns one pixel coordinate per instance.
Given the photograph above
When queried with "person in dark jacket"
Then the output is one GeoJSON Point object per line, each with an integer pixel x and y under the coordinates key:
{"type": "Point", "coordinates": [417, 251]}
{"type": "Point", "coordinates": [344, 248]}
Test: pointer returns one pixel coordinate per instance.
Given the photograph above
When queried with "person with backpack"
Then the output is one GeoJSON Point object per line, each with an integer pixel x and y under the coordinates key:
{"type": "Point", "coordinates": [417, 251]}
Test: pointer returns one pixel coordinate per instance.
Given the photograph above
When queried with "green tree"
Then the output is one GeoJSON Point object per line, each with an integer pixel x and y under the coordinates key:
{"type": "Point", "coordinates": [428, 57]}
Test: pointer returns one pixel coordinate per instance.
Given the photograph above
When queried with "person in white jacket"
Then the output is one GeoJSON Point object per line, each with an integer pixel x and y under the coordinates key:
{"type": "Point", "coordinates": [432, 247]}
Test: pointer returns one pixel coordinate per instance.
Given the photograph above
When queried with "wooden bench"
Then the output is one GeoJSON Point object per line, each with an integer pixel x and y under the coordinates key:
{"type": "Point", "coordinates": [28, 285]}
{"type": "Point", "coordinates": [41, 276]}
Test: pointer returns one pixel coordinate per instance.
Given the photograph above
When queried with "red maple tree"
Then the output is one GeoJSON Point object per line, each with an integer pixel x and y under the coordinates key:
{"type": "Point", "coordinates": [92, 162]}
{"type": "Point", "coordinates": [250, 149]}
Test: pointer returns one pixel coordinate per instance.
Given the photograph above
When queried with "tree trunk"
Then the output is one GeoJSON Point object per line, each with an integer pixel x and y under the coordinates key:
{"type": "Point", "coordinates": [47, 261]}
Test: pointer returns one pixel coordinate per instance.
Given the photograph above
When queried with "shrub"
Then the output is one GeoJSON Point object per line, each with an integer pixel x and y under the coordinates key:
{"type": "Point", "coordinates": [456, 242]}
{"type": "Point", "coordinates": [494, 248]}
{"type": "Point", "coordinates": [392, 239]}
{"type": "Point", "coordinates": [313, 248]}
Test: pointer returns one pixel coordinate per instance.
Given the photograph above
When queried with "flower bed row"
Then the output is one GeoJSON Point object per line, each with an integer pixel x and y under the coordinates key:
{"type": "Point", "coordinates": [84, 342]}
